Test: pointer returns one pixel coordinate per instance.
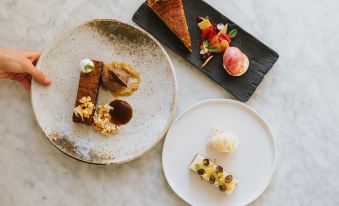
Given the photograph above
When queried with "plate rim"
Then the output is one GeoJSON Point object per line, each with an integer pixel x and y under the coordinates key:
{"type": "Point", "coordinates": [173, 108]}
{"type": "Point", "coordinates": [249, 109]}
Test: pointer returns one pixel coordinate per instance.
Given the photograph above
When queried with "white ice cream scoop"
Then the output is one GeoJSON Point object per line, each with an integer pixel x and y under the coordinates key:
{"type": "Point", "coordinates": [223, 141]}
{"type": "Point", "coordinates": [86, 65]}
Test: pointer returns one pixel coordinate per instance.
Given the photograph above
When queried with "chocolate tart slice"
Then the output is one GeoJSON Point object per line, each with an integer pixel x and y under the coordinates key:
{"type": "Point", "coordinates": [89, 84]}
{"type": "Point", "coordinates": [171, 12]}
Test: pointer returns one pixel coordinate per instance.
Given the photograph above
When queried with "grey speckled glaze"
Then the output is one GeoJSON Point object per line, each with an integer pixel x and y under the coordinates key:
{"type": "Point", "coordinates": [153, 103]}
{"type": "Point", "coordinates": [298, 98]}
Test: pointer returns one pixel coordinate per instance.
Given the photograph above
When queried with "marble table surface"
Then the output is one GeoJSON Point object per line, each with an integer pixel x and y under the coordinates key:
{"type": "Point", "coordinates": [298, 98]}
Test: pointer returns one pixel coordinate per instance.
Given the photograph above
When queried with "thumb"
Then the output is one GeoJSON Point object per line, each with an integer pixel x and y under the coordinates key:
{"type": "Point", "coordinates": [38, 75]}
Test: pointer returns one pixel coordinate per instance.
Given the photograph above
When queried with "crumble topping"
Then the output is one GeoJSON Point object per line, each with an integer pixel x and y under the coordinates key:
{"type": "Point", "coordinates": [102, 121]}
{"type": "Point", "coordinates": [85, 109]}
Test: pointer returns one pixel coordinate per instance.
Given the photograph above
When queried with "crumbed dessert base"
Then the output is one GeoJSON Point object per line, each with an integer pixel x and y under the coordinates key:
{"type": "Point", "coordinates": [133, 86]}
{"type": "Point", "coordinates": [102, 122]}
{"type": "Point", "coordinates": [85, 108]}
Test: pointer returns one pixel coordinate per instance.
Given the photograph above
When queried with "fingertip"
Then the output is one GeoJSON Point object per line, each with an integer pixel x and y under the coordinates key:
{"type": "Point", "coordinates": [39, 76]}
{"type": "Point", "coordinates": [47, 81]}
{"type": "Point", "coordinates": [32, 54]}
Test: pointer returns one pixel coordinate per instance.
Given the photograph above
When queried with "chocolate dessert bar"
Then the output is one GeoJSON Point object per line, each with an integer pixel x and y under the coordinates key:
{"type": "Point", "coordinates": [87, 95]}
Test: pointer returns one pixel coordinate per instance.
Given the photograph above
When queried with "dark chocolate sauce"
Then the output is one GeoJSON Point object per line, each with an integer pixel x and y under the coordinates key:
{"type": "Point", "coordinates": [121, 113]}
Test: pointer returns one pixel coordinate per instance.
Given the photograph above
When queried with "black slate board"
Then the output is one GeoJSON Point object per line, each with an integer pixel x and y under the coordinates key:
{"type": "Point", "coordinates": [261, 57]}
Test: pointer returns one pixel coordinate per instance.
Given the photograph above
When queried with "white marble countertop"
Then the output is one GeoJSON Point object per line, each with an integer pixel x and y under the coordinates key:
{"type": "Point", "coordinates": [298, 98]}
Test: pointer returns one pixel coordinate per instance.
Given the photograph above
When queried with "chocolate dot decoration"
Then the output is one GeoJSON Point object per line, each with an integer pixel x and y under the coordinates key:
{"type": "Point", "coordinates": [206, 162]}
{"type": "Point", "coordinates": [222, 188]}
{"type": "Point", "coordinates": [219, 169]}
{"type": "Point", "coordinates": [201, 171]}
{"type": "Point", "coordinates": [211, 179]}
{"type": "Point", "coordinates": [228, 178]}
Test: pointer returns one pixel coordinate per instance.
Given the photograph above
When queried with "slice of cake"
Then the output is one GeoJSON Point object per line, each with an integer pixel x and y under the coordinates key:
{"type": "Point", "coordinates": [88, 90]}
{"type": "Point", "coordinates": [214, 174]}
{"type": "Point", "coordinates": [171, 12]}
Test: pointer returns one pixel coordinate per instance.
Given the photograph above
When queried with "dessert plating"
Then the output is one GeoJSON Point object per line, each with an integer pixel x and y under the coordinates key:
{"type": "Point", "coordinates": [214, 174]}
{"type": "Point", "coordinates": [116, 78]}
{"type": "Point", "coordinates": [88, 91]}
{"type": "Point", "coordinates": [214, 38]}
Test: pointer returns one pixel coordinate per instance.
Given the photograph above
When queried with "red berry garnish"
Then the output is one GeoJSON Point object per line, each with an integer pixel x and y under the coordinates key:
{"type": "Point", "coordinates": [224, 37]}
{"type": "Point", "coordinates": [208, 33]}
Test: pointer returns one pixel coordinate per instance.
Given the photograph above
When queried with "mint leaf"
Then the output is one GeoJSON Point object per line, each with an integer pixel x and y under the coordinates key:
{"type": "Point", "coordinates": [233, 33]}
{"type": "Point", "coordinates": [89, 68]}
{"type": "Point", "coordinates": [212, 49]}
{"type": "Point", "coordinates": [207, 18]}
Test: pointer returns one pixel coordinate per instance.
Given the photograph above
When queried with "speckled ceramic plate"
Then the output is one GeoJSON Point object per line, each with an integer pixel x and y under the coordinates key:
{"type": "Point", "coordinates": [153, 103]}
{"type": "Point", "coordinates": [253, 162]}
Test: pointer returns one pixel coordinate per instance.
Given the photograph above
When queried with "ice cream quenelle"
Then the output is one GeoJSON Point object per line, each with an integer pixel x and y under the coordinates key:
{"type": "Point", "coordinates": [235, 62]}
{"type": "Point", "coordinates": [223, 141]}
{"type": "Point", "coordinates": [86, 65]}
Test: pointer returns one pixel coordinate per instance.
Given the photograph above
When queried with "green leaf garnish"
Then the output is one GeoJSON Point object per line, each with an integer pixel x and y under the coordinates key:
{"type": "Point", "coordinates": [233, 33]}
{"type": "Point", "coordinates": [197, 167]}
{"type": "Point", "coordinates": [212, 49]}
{"type": "Point", "coordinates": [89, 68]}
{"type": "Point", "coordinates": [207, 18]}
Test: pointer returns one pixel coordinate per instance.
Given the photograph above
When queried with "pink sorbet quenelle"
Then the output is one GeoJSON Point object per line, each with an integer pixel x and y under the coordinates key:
{"type": "Point", "coordinates": [235, 62]}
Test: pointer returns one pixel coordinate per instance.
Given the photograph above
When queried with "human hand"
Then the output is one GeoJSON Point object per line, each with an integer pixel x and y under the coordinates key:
{"type": "Point", "coordinates": [20, 66]}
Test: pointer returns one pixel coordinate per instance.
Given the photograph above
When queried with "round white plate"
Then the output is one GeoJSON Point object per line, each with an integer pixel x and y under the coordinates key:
{"type": "Point", "coordinates": [253, 163]}
{"type": "Point", "coordinates": [153, 103]}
